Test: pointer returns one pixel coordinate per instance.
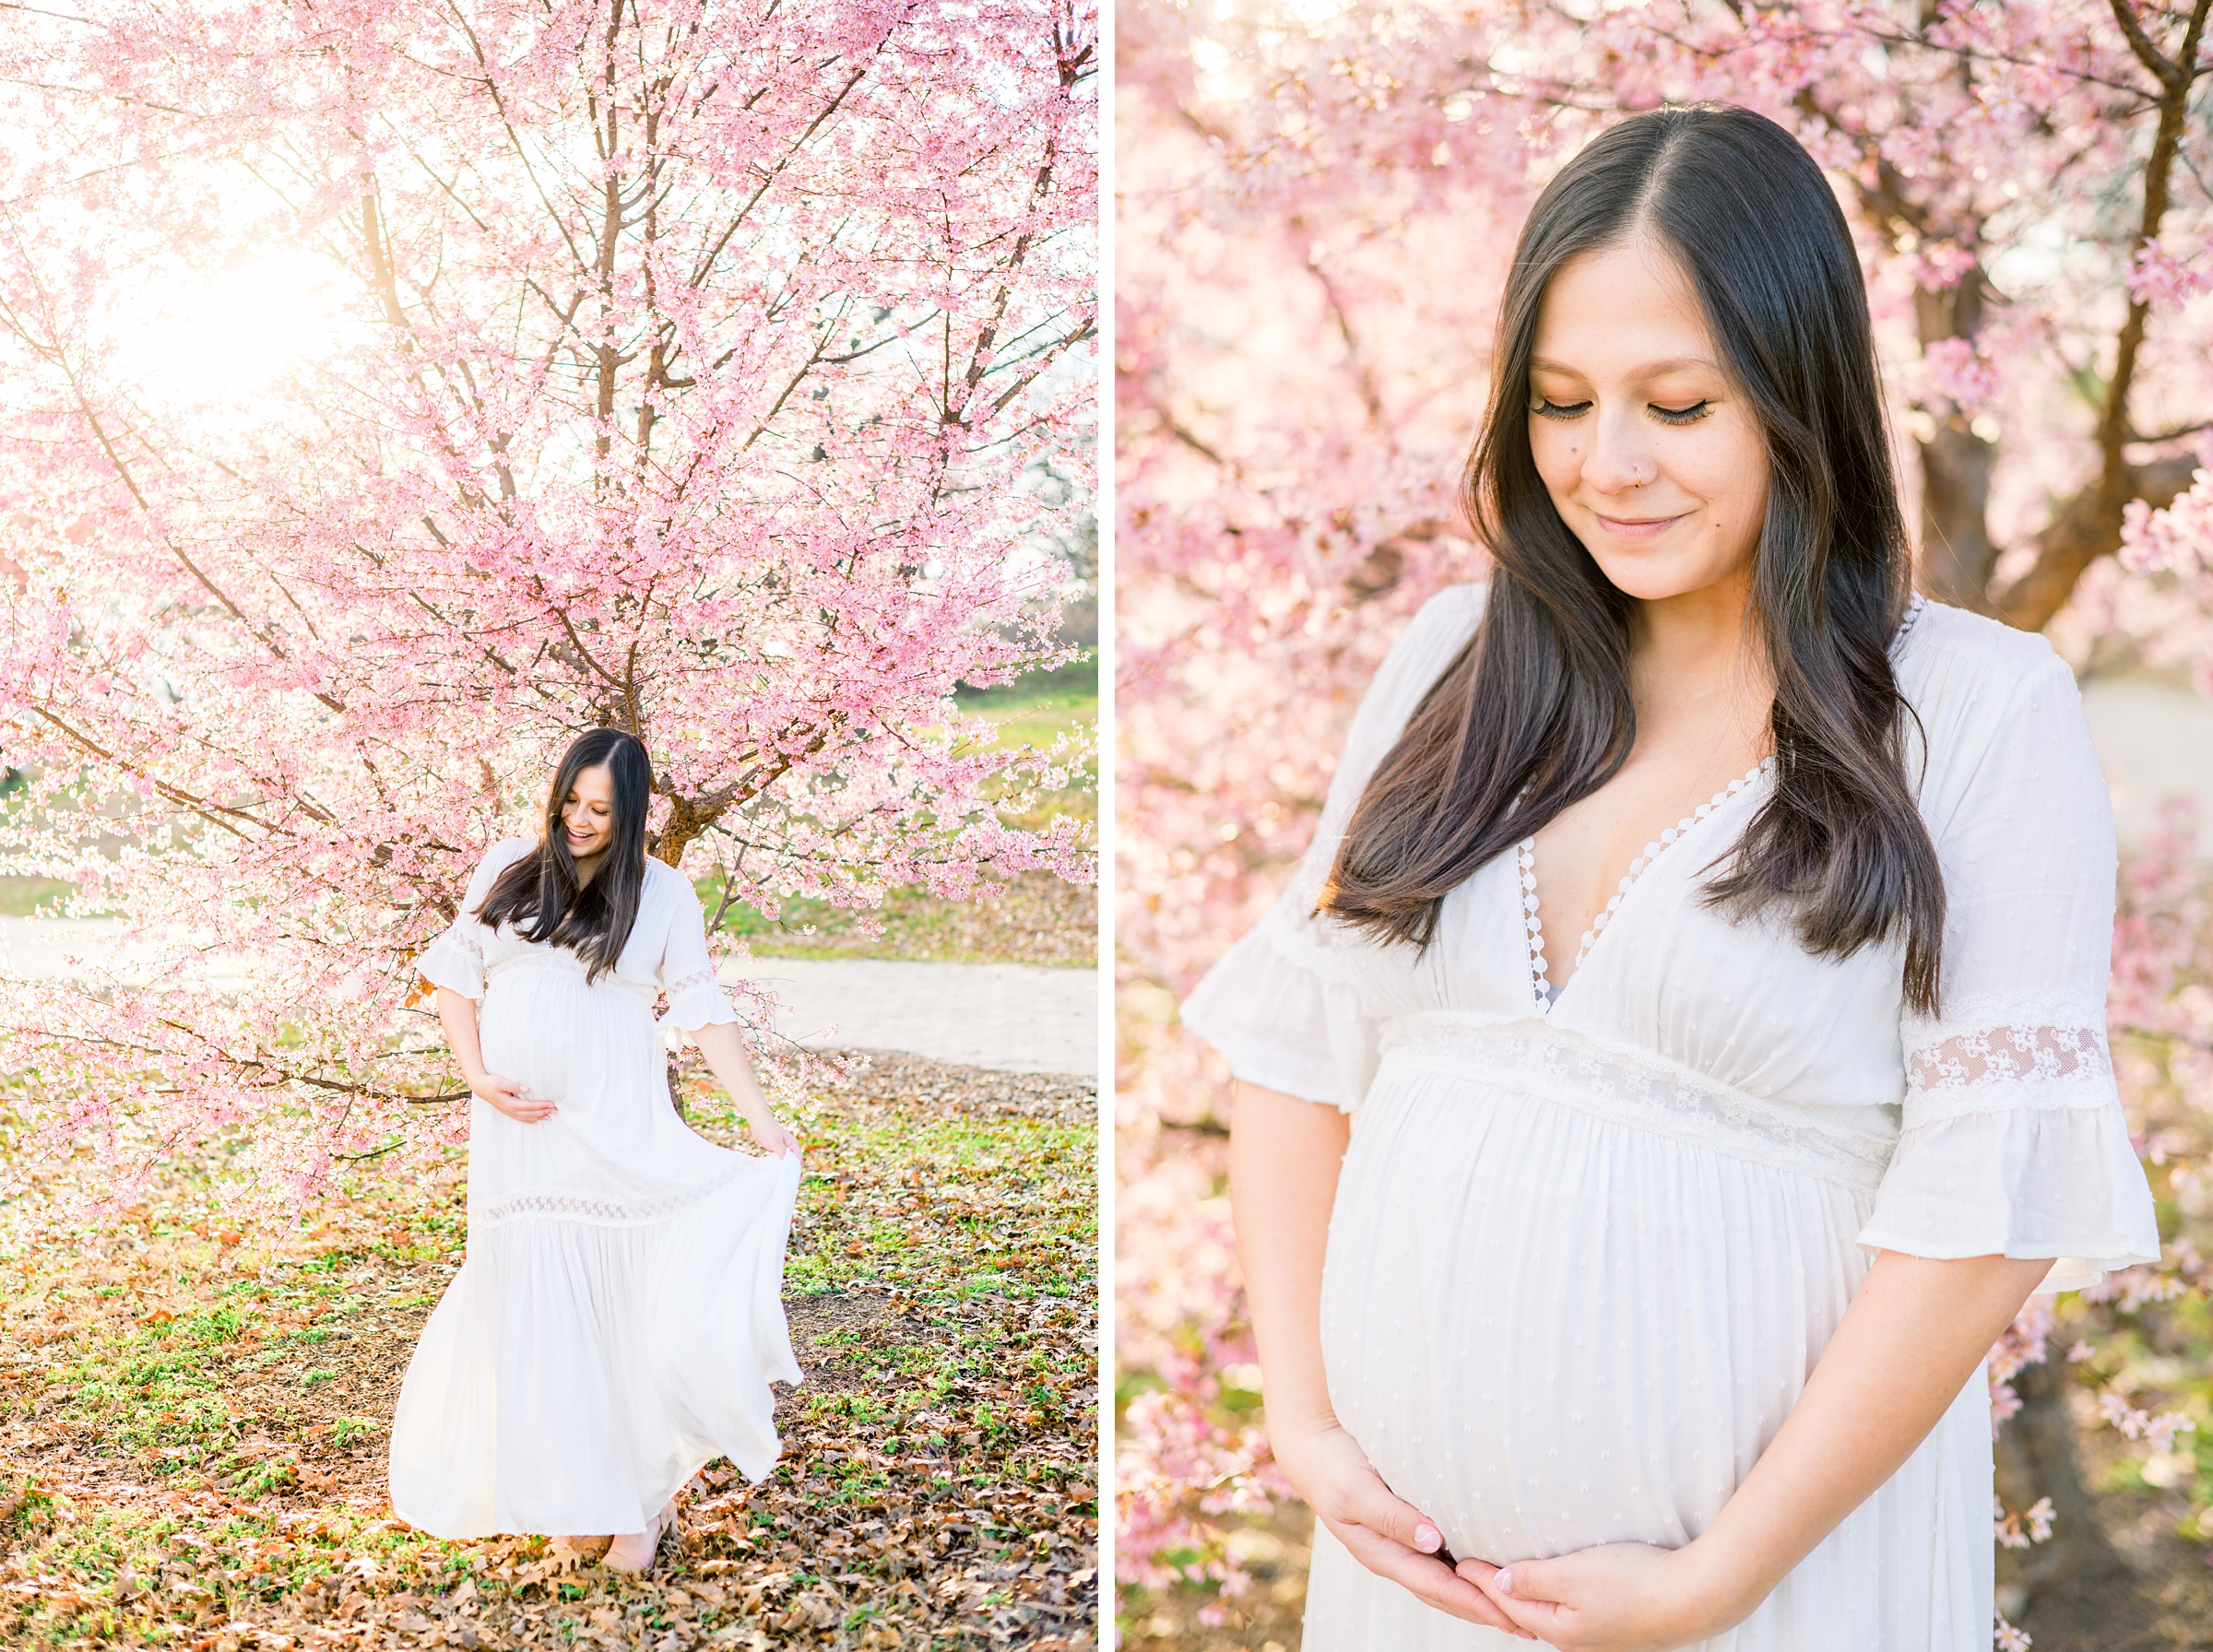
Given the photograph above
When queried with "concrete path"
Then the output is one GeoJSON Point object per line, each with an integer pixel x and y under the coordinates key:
{"type": "Point", "coordinates": [1013, 1017]}
{"type": "Point", "coordinates": [2157, 740]}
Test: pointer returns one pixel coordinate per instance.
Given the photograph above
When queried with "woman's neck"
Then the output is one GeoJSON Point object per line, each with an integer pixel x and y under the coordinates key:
{"type": "Point", "coordinates": [1700, 654]}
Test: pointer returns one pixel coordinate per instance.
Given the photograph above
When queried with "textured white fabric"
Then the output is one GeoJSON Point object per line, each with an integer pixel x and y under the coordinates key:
{"type": "Point", "coordinates": [1588, 1245]}
{"type": "Point", "coordinates": [619, 1318]}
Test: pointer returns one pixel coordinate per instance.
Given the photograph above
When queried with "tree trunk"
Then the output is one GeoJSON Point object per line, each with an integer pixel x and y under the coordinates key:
{"type": "Point", "coordinates": [1956, 551]}
{"type": "Point", "coordinates": [2085, 529]}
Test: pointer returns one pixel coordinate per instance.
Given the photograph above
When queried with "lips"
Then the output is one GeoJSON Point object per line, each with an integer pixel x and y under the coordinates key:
{"type": "Point", "coordinates": [1650, 528]}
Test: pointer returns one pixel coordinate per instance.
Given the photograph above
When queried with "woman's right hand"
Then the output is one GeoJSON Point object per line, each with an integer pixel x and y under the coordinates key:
{"type": "Point", "coordinates": [1390, 1537]}
{"type": "Point", "coordinates": [511, 1097]}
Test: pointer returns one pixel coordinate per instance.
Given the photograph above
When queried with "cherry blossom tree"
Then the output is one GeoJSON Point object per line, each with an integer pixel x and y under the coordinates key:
{"type": "Point", "coordinates": [680, 365]}
{"type": "Point", "coordinates": [1317, 205]}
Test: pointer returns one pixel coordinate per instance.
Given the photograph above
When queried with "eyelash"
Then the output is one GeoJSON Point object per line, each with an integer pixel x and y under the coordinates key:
{"type": "Point", "coordinates": [1547, 408]}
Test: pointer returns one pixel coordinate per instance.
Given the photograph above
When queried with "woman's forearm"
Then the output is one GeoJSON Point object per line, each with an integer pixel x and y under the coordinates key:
{"type": "Point", "coordinates": [1284, 1158]}
{"type": "Point", "coordinates": [1907, 1345]}
{"type": "Point", "coordinates": [457, 1015]}
{"type": "Point", "coordinates": [723, 1045]}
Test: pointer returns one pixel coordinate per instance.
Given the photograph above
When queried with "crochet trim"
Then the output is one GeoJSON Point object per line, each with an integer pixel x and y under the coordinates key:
{"type": "Point", "coordinates": [1533, 925]}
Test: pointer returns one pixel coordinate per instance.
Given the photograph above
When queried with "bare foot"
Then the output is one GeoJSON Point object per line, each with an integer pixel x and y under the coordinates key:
{"type": "Point", "coordinates": [635, 1551]}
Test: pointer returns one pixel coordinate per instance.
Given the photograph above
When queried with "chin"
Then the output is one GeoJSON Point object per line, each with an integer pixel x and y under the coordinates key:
{"type": "Point", "coordinates": [1658, 575]}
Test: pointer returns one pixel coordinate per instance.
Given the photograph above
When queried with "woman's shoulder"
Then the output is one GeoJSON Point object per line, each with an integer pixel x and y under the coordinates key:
{"type": "Point", "coordinates": [1952, 649]}
{"type": "Point", "coordinates": [1976, 684]}
{"type": "Point", "coordinates": [1439, 628]}
{"type": "Point", "coordinates": [665, 879]}
{"type": "Point", "coordinates": [1430, 640]}
{"type": "Point", "coordinates": [507, 851]}
{"type": "Point", "coordinates": [1452, 608]}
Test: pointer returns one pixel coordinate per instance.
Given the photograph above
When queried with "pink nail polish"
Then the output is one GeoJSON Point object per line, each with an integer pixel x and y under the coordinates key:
{"type": "Point", "coordinates": [1504, 1582]}
{"type": "Point", "coordinates": [1426, 1538]}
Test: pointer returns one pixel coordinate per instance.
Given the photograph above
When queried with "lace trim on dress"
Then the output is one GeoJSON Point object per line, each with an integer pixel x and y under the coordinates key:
{"type": "Point", "coordinates": [1639, 1090]}
{"type": "Point", "coordinates": [598, 1212]}
{"type": "Point", "coordinates": [1533, 925]}
{"type": "Point", "coordinates": [684, 984]}
{"type": "Point", "coordinates": [1917, 606]}
{"type": "Point", "coordinates": [2001, 1053]}
{"type": "Point", "coordinates": [2007, 1056]}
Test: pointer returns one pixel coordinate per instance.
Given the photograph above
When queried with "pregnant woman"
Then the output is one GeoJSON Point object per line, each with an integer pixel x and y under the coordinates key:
{"type": "Point", "coordinates": [1682, 1051]}
{"type": "Point", "coordinates": [619, 1318]}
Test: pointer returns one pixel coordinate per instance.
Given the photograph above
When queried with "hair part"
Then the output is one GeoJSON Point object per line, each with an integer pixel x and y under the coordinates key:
{"type": "Point", "coordinates": [542, 894]}
{"type": "Point", "coordinates": [1535, 713]}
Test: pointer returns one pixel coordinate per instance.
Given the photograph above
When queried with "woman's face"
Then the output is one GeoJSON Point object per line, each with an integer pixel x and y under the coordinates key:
{"type": "Point", "coordinates": [1650, 457]}
{"type": "Point", "coordinates": [588, 814]}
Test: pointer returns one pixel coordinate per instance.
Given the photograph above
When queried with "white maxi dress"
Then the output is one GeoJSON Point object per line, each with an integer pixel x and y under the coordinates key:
{"type": "Point", "coordinates": [1586, 1249]}
{"type": "Point", "coordinates": [619, 1318]}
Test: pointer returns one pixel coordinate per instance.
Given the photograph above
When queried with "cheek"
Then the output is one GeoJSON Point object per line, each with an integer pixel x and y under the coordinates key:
{"type": "Point", "coordinates": [1559, 453]}
{"type": "Point", "coordinates": [1727, 469]}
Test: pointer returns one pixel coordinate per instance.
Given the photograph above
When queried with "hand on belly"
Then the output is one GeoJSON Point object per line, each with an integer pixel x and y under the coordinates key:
{"type": "Point", "coordinates": [1615, 1597]}
{"type": "Point", "coordinates": [514, 1098]}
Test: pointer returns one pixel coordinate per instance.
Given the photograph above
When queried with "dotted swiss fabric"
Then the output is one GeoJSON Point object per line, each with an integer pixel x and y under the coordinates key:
{"type": "Point", "coordinates": [1587, 1242]}
{"type": "Point", "coordinates": [617, 1322]}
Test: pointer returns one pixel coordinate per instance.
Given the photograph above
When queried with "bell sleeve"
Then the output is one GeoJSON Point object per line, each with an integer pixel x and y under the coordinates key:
{"type": "Point", "coordinates": [455, 959]}
{"type": "Point", "coordinates": [2013, 1140]}
{"type": "Point", "coordinates": [1284, 1005]}
{"type": "Point", "coordinates": [687, 974]}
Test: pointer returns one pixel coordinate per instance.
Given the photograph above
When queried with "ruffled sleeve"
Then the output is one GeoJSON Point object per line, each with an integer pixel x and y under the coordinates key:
{"type": "Point", "coordinates": [455, 959]}
{"type": "Point", "coordinates": [1284, 1006]}
{"type": "Point", "coordinates": [2013, 1140]}
{"type": "Point", "coordinates": [687, 974]}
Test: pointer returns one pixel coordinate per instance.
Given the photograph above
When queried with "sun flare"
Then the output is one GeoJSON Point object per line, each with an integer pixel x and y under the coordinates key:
{"type": "Point", "coordinates": [234, 332]}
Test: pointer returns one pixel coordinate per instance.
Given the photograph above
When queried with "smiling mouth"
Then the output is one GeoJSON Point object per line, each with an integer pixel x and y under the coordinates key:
{"type": "Point", "coordinates": [1648, 527]}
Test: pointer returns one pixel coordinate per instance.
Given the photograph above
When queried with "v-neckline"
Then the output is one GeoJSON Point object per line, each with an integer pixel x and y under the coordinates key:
{"type": "Point", "coordinates": [1545, 994]}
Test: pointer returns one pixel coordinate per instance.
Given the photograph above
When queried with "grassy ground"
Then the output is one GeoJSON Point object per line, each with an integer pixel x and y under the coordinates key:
{"type": "Point", "coordinates": [193, 1418]}
{"type": "Point", "coordinates": [1039, 919]}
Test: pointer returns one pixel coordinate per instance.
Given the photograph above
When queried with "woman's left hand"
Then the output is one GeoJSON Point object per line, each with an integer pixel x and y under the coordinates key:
{"type": "Point", "coordinates": [775, 1139]}
{"type": "Point", "coordinates": [1616, 1597]}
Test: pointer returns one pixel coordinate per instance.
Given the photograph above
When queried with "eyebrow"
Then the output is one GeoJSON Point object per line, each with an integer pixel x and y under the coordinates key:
{"type": "Point", "coordinates": [1648, 369]}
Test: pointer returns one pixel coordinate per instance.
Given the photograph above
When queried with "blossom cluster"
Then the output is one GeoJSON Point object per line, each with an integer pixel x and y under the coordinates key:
{"type": "Point", "coordinates": [683, 367]}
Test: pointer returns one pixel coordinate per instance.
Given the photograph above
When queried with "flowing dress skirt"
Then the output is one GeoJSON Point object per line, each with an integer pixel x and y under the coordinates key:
{"type": "Point", "coordinates": [1551, 1330]}
{"type": "Point", "coordinates": [619, 1318]}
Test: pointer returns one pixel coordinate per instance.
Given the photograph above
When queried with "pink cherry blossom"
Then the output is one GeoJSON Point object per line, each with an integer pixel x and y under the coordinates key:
{"type": "Point", "coordinates": [685, 367]}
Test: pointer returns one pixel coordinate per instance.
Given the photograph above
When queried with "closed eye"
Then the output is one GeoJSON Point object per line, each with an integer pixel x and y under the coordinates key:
{"type": "Point", "coordinates": [1690, 415]}
{"type": "Point", "coordinates": [1548, 409]}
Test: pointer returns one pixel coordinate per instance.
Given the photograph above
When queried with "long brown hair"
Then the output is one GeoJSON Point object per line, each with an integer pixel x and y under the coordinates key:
{"type": "Point", "coordinates": [1537, 706]}
{"type": "Point", "coordinates": [543, 894]}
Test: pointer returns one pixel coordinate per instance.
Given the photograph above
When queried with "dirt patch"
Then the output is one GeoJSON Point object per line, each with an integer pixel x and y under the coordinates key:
{"type": "Point", "coordinates": [845, 1340]}
{"type": "Point", "coordinates": [2159, 1599]}
{"type": "Point", "coordinates": [893, 1079]}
